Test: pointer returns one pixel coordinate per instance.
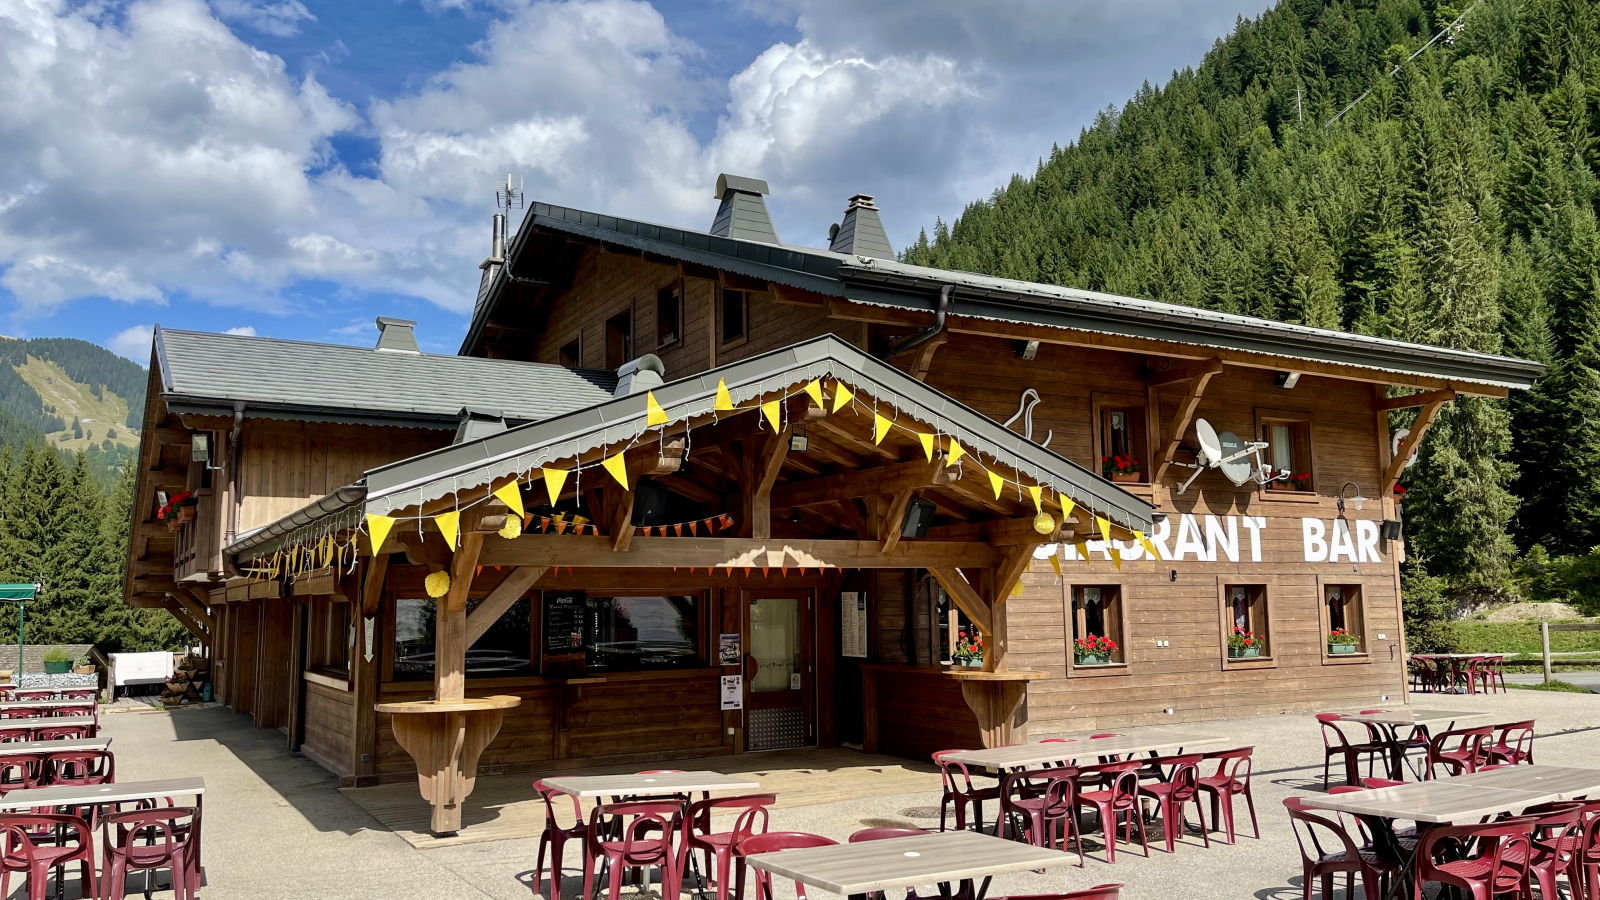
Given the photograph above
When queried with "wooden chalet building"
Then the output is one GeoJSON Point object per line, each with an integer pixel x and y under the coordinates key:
{"type": "Point", "coordinates": [695, 493]}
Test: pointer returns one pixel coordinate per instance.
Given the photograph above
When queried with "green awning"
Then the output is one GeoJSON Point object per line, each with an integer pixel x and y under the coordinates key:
{"type": "Point", "coordinates": [18, 591]}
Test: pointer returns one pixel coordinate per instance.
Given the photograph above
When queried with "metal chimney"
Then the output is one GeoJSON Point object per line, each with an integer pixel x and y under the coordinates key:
{"type": "Point", "coordinates": [396, 336]}
{"type": "Point", "coordinates": [861, 233]}
{"type": "Point", "coordinates": [743, 212]}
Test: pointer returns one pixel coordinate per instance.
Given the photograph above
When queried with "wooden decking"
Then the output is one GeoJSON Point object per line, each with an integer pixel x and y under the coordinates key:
{"type": "Point", "coordinates": [503, 807]}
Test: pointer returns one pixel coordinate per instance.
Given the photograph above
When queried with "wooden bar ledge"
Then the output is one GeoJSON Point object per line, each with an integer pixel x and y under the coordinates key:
{"type": "Point", "coordinates": [445, 739]}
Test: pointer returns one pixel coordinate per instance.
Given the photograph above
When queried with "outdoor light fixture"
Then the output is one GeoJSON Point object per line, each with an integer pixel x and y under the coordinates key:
{"type": "Point", "coordinates": [1028, 350]}
{"type": "Point", "coordinates": [1390, 530]}
{"type": "Point", "coordinates": [1287, 380]}
{"type": "Point", "coordinates": [798, 442]}
{"type": "Point", "coordinates": [1359, 500]}
{"type": "Point", "coordinates": [919, 516]}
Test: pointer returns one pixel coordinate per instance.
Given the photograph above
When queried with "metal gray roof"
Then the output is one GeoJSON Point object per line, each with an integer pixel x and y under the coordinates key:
{"type": "Point", "coordinates": [888, 283]}
{"type": "Point", "coordinates": [618, 421]}
{"type": "Point", "coordinates": [203, 372]}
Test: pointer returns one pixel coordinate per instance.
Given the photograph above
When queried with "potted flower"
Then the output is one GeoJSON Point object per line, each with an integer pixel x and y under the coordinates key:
{"type": "Point", "coordinates": [57, 661]}
{"type": "Point", "coordinates": [969, 650]}
{"type": "Point", "coordinates": [1243, 644]}
{"type": "Point", "coordinates": [1298, 481]}
{"type": "Point", "coordinates": [1120, 468]}
{"type": "Point", "coordinates": [1090, 650]}
{"type": "Point", "coordinates": [1341, 641]}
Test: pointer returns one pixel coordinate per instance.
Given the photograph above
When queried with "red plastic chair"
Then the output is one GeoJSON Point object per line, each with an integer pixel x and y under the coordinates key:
{"type": "Point", "coordinates": [22, 851]}
{"type": "Point", "coordinates": [21, 712]}
{"type": "Point", "coordinates": [78, 693]}
{"type": "Point", "coordinates": [145, 840]}
{"type": "Point", "coordinates": [1056, 802]}
{"type": "Point", "coordinates": [1557, 838]}
{"type": "Point", "coordinates": [36, 694]}
{"type": "Point", "coordinates": [1175, 796]}
{"type": "Point", "coordinates": [1498, 863]}
{"type": "Point", "coordinates": [697, 833]}
{"type": "Point", "coordinates": [79, 767]}
{"type": "Point", "coordinates": [13, 735]}
{"type": "Point", "coordinates": [62, 733]}
{"type": "Point", "coordinates": [555, 838]}
{"type": "Point", "coordinates": [883, 833]}
{"type": "Point", "coordinates": [1585, 877]}
{"type": "Point", "coordinates": [1494, 674]}
{"type": "Point", "coordinates": [1336, 743]}
{"type": "Point", "coordinates": [1231, 779]}
{"type": "Point", "coordinates": [1333, 853]}
{"type": "Point", "coordinates": [635, 850]}
{"type": "Point", "coordinates": [960, 791]}
{"type": "Point", "coordinates": [1098, 892]}
{"type": "Point", "coordinates": [1468, 754]}
{"type": "Point", "coordinates": [771, 842]}
{"type": "Point", "coordinates": [1423, 675]}
{"type": "Point", "coordinates": [1117, 804]}
{"type": "Point", "coordinates": [86, 711]}
{"type": "Point", "coordinates": [21, 771]}
{"type": "Point", "coordinates": [1515, 744]}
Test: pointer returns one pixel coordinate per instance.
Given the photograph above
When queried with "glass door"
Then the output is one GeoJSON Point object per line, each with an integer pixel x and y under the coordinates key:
{"type": "Point", "coordinates": [779, 671]}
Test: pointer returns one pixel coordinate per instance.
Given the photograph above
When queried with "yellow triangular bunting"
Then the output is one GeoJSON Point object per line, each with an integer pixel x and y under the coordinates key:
{"type": "Point", "coordinates": [653, 413]}
{"type": "Point", "coordinates": [618, 467]}
{"type": "Point", "coordinates": [450, 526]}
{"type": "Point", "coordinates": [770, 410]}
{"type": "Point", "coordinates": [554, 480]}
{"type": "Point", "coordinates": [1116, 557]}
{"type": "Point", "coordinates": [1055, 563]}
{"type": "Point", "coordinates": [724, 402]}
{"type": "Point", "coordinates": [1083, 550]}
{"type": "Point", "coordinates": [1145, 543]}
{"type": "Point", "coordinates": [510, 494]}
{"type": "Point", "coordinates": [998, 483]}
{"type": "Point", "coordinates": [927, 445]}
{"type": "Point", "coordinates": [1067, 506]}
{"type": "Point", "coordinates": [1016, 589]}
{"type": "Point", "coordinates": [841, 395]}
{"type": "Point", "coordinates": [1105, 528]}
{"type": "Point", "coordinates": [880, 427]}
{"type": "Point", "coordinates": [954, 455]}
{"type": "Point", "coordinates": [378, 529]}
{"type": "Point", "coordinates": [815, 390]}
{"type": "Point", "coordinates": [1034, 491]}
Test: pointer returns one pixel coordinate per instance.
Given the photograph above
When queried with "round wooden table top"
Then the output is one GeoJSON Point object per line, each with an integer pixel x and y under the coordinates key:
{"type": "Point", "coordinates": [470, 704]}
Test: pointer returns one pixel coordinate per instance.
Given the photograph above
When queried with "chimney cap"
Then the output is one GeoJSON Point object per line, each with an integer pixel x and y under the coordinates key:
{"type": "Point", "coordinates": [395, 336]}
{"type": "Point", "coordinates": [726, 183]}
{"type": "Point", "coordinates": [861, 201]}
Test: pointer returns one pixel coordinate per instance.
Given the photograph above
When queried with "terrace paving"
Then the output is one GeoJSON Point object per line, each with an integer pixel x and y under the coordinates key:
{"type": "Point", "coordinates": [277, 827]}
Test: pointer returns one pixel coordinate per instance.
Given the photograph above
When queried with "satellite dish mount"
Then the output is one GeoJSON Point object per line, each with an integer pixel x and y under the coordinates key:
{"type": "Point", "coordinates": [1239, 460]}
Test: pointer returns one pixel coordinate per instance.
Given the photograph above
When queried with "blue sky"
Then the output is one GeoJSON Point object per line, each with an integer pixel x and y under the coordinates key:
{"type": "Point", "coordinates": [297, 167]}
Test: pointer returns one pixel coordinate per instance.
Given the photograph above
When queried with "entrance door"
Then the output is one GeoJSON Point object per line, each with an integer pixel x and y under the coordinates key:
{"type": "Point", "coordinates": [779, 672]}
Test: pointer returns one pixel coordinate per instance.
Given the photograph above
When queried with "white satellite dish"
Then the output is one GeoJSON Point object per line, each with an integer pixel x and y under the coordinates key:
{"type": "Point", "coordinates": [1238, 459]}
{"type": "Point", "coordinates": [1398, 438]}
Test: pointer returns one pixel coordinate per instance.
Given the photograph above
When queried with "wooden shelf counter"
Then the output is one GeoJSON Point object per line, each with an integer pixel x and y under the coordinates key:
{"type": "Point", "coordinates": [445, 739]}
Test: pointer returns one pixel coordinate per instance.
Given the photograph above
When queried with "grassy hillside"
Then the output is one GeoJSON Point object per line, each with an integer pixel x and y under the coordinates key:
{"type": "Point", "coordinates": [75, 396]}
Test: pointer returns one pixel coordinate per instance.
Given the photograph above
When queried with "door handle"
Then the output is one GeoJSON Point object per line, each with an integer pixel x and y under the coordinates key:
{"type": "Point", "coordinates": [751, 667]}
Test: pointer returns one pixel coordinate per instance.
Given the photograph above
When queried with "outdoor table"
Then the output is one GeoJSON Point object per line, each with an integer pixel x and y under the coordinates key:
{"type": "Point", "coordinates": [13, 748]}
{"type": "Point", "coordinates": [35, 723]}
{"type": "Point", "coordinates": [891, 864]}
{"type": "Point", "coordinates": [648, 785]}
{"type": "Point", "coordinates": [1463, 799]}
{"type": "Point", "coordinates": [42, 704]}
{"type": "Point", "coordinates": [1454, 659]}
{"type": "Point", "coordinates": [1076, 748]}
{"type": "Point", "coordinates": [1389, 723]}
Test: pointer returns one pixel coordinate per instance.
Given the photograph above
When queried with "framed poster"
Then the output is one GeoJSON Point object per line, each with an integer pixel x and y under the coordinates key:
{"type": "Point", "coordinates": [563, 632]}
{"type": "Point", "coordinates": [732, 692]}
{"type": "Point", "coordinates": [853, 623]}
{"type": "Point", "coordinates": [728, 650]}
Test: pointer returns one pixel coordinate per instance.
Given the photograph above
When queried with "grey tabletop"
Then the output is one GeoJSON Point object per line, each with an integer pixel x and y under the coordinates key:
{"type": "Point", "coordinates": [42, 704]}
{"type": "Point", "coordinates": [897, 862]}
{"type": "Point", "coordinates": [83, 795]}
{"type": "Point", "coordinates": [1416, 716]}
{"type": "Point", "coordinates": [1564, 782]}
{"type": "Point", "coordinates": [1466, 798]}
{"type": "Point", "coordinates": [1083, 747]}
{"type": "Point", "coordinates": [647, 785]}
{"type": "Point", "coordinates": [34, 723]}
{"type": "Point", "coordinates": [15, 747]}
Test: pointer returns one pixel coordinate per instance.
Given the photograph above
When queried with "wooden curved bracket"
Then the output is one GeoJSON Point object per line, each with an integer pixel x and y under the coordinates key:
{"type": "Point", "coordinates": [445, 741]}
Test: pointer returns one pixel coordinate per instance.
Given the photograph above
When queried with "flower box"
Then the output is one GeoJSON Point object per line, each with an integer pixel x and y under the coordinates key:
{"type": "Point", "coordinates": [1341, 649]}
{"type": "Point", "coordinates": [1125, 477]}
{"type": "Point", "coordinates": [186, 514]}
{"type": "Point", "coordinates": [1243, 652]}
{"type": "Point", "coordinates": [1091, 659]}
{"type": "Point", "coordinates": [57, 667]}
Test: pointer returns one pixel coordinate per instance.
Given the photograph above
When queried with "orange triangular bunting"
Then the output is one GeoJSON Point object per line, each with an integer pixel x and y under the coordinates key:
{"type": "Point", "coordinates": [764, 571]}
{"type": "Point", "coordinates": [677, 530]}
{"type": "Point", "coordinates": [694, 529]}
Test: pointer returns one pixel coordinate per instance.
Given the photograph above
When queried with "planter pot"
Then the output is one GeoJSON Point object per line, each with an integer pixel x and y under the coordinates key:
{"type": "Point", "coordinates": [1246, 653]}
{"type": "Point", "coordinates": [185, 514]}
{"type": "Point", "coordinates": [84, 670]}
{"type": "Point", "coordinates": [1091, 659]}
{"type": "Point", "coordinates": [1280, 486]}
{"type": "Point", "coordinates": [57, 668]}
{"type": "Point", "coordinates": [1125, 477]}
{"type": "Point", "coordinates": [1341, 649]}
{"type": "Point", "coordinates": [976, 663]}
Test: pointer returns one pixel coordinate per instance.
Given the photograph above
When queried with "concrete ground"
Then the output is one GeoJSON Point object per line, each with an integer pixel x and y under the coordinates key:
{"type": "Point", "coordinates": [276, 827]}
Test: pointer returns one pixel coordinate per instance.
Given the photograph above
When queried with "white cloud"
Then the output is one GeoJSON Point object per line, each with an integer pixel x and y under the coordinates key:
{"type": "Point", "coordinates": [279, 19]}
{"type": "Point", "coordinates": [242, 330]}
{"type": "Point", "coordinates": [134, 343]}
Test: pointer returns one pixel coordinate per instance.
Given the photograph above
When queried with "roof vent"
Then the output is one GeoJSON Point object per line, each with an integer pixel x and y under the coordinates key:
{"type": "Point", "coordinates": [743, 214]}
{"type": "Point", "coordinates": [473, 424]}
{"type": "Point", "coordinates": [640, 375]}
{"type": "Point", "coordinates": [861, 233]}
{"type": "Point", "coordinates": [396, 335]}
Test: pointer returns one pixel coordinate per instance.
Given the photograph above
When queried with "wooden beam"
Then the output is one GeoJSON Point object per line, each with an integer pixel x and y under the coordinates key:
{"type": "Point", "coordinates": [924, 360]}
{"type": "Point", "coordinates": [885, 479]}
{"type": "Point", "coordinates": [621, 525]}
{"type": "Point", "coordinates": [893, 518]}
{"type": "Point", "coordinates": [190, 605]}
{"type": "Point", "coordinates": [1011, 569]}
{"type": "Point", "coordinates": [501, 599]}
{"type": "Point", "coordinates": [317, 583]}
{"type": "Point", "coordinates": [1184, 372]}
{"type": "Point", "coordinates": [730, 553]}
{"type": "Point", "coordinates": [372, 586]}
{"type": "Point", "coordinates": [195, 628]}
{"type": "Point", "coordinates": [450, 628]}
{"type": "Point", "coordinates": [965, 598]}
{"type": "Point", "coordinates": [462, 567]}
{"type": "Point", "coordinates": [694, 490]}
{"type": "Point", "coordinates": [763, 476]}
{"type": "Point", "coordinates": [1419, 428]}
{"type": "Point", "coordinates": [1411, 400]}
{"type": "Point", "coordinates": [1180, 421]}
{"type": "Point", "coordinates": [999, 532]}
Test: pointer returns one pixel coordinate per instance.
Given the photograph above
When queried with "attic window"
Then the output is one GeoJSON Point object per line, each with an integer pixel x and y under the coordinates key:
{"type": "Point", "coordinates": [669, 316]}
{"type": "Point", "coordinates": [735, 306]}
{"type": "Point", "coordinates": [619, 339]}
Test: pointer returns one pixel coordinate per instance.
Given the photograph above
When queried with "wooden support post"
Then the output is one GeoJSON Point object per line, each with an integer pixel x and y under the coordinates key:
{"type": "Point", "coordinates": [364, 677]}
{"type": "Point", "coordinates": [924, 360]}
{"type": "Point", "coordinates": [372, 584]}
{"type": "Point", "coordinates": [1419, 428]}
{"type": "Point", "coordinates": [890, 524]}
{"type": "Point", "coordinates": [763, 476]}
{"type": "Point", "coordinates": [621, 525]}
{"type": "Point", "coordinates": [501, 599]}
{"type": "Point", "coordinates": [450, 633]}
{"type": "Point", "coordinates": [1544, 642]}
{"type": "Point", "coordinates": [1198, 379]}
{"type": "Point", "coordinates": [964, 596]}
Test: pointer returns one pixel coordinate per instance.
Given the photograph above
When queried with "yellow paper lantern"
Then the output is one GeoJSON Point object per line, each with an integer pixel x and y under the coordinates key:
{"type": "Point", "coordinates": [512, 528]}
{"type": "Point", "coordinates": [437, 584]}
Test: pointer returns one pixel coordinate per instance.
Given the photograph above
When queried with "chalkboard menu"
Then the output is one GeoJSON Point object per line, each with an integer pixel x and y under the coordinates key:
{"type": "Point", "coordinates": [563, 632]}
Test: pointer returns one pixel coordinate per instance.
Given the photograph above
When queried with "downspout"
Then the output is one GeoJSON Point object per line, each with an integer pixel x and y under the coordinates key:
{"type": "Point", "coordinates": [233, 482]}
{"type": "Point", "coordinates": [913, 340]}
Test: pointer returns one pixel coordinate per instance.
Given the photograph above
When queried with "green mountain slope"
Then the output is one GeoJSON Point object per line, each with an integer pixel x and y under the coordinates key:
{"type": "Point", "coordinates": [75, 396]}
{"type": "Point", "coordinates": [1453, 205]}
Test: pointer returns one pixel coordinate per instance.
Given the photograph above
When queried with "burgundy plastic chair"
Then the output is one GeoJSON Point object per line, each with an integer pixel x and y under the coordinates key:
{"type": "Point", "coordinates": [1466, 756]}
{"type": "Point", "coordinates": [1117, 804]}
{"type": "Point", "coordinates": [555, 838]}
{"type": "Point", "coordinates": [959, 790]}
{"type": "Point", "coordinates": [1176, 794]}
{"type": "Point", "coordinates": [1231, 779]}
{"type": "Point", "coordinates": [21, 771]}
{"type": "Point", "coordinates": [636, 849]}
{"type": "Point", "coordinates": [1422, 674]}
{"type": "Point", "coordinates": [1098, 892]}
{"type": "Point", "coordinates": [86, 711]}
{"type": "Point", "coordinates": [1585, 876]}
{"type": "Point", "coordinates": [1515, 744]}
{"type": "Point", "coordinates": [1557, 838]}
{"type": "Point", "coordinates": [883, 833]}
{"type": "Point", "coordinates": [12, 735]}
{"type": "Point", "coordinates": [22, 851]}
{"type": "Point", "coordinates": [1056, 802]}
{"type": "Point", "coordinates": [79, 767]}
{"type": "Point", "coordinates": [62, 733]}
{"type": "Point", "coordinates": [145, 840]}
{"type": "Point", "coordinates": [697, 833]}
{"type": "Point", "coordinates": [771, 842]}
{"type": "Point", "coordinates": [36, 694]}
{"type": "Point", "coordinates": [21, 712]}
{"type": "Point", "coordinates": [1497, 864]}
{"type": "Point", "coordinates": [1336, 743]}
{"type": "Point", "coordinates": [1333, 853]}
